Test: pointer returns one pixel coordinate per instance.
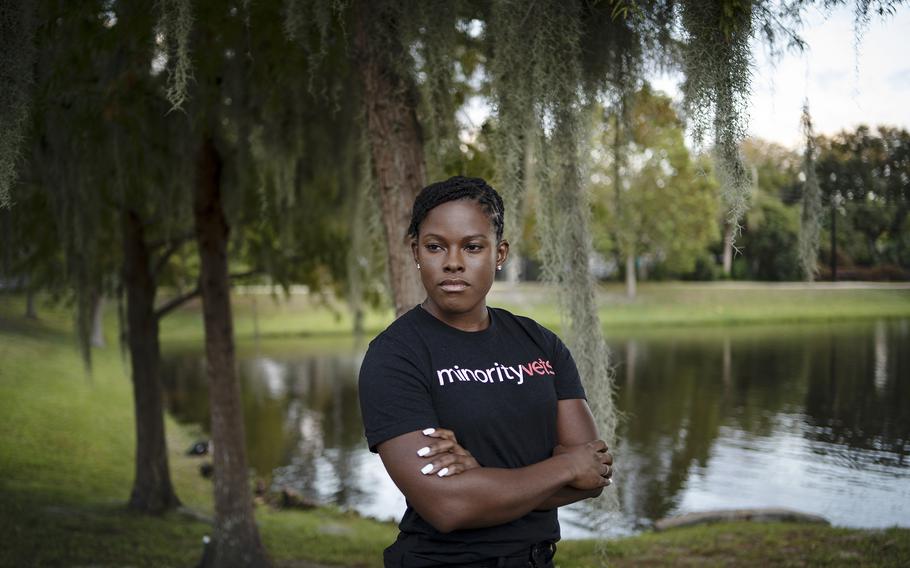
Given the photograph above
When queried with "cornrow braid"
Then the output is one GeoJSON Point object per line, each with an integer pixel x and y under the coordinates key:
{"type": "Point", "coordinates": [455, 188]}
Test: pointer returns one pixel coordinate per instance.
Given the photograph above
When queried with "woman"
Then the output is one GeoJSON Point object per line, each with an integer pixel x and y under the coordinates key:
{"type": "Point", "coordinates": [507, 387]}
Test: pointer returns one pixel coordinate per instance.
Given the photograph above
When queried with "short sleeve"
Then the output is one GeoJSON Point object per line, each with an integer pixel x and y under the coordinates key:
{"type": "Point", "coordinates": [568, 383]}
{"type": "Point", "coordinates": [394, 395]}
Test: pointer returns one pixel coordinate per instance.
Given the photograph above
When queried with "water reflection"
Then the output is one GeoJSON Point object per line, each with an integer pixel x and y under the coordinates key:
{"type": "Point", "coordinates": [815, 418]}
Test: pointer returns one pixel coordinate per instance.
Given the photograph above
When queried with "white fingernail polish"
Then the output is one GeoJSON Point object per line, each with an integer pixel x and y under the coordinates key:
{"type": "Point", "coordinates": [429, 431]}
{"type": "Point", "coordinates": [426, 469]}
{"type": "Point", "coordinates": [443, 472]}
{"type": "Point", "coordinates": [423, 451]}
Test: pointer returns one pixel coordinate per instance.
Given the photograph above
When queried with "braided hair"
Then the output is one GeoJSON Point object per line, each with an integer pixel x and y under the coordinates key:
{"type": "Point", "coordinates": [455, 188]}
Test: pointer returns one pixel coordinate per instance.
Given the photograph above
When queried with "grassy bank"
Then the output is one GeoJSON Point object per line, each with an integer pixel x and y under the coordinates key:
{"type": "Point", "coordinates": [733, 303]}
{"type": "Point", "coordinates": [66, 450]}
{"type": "Point", "coordinates": [747, 544]}
{"type": "Point", "coordinates": [66, 466]}
{"type": "Point", "coordinates": [656, 306]}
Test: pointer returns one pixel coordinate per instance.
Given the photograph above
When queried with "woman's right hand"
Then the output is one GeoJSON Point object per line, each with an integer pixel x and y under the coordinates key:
{"type": "Point", "coordinates": [591, 464]}
{"type": "Point", "coordinates": [445, 455]}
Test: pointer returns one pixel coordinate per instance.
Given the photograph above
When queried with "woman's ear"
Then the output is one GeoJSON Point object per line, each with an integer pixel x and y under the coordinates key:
{"type": "Point", "coordinates": [414, 250]}
{"type": "Point", "coordinates": [502, 252]}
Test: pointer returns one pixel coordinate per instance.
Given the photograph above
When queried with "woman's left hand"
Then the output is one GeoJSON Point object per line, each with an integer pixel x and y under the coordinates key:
{"type": "Point", "coordinates": [446, 457]}
{"type": "Point", "coordinates": [607, 460]}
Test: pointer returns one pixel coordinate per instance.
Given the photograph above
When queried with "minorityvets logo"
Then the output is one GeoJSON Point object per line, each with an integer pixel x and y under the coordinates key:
{"type": "Point", "coordinates": [497, 371]}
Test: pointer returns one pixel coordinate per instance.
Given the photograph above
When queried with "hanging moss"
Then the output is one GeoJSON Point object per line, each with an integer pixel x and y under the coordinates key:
{"type": "Point", "coordinates": [426, 35]}
{"type": "Point", "coordinates": [716, 60]}
{"type": "Point", "coordinates": [366, 256]}
{"type": "Point", "coordinates": [810, 216]}
{"type": "Point", "coordinates": [17, 53]}
{"type": "Point", "coordinates": [537, 79]}
{"type": "Point", "coordinates": [437, 44]}
{"type": "Point", "coordinates": [175, 24]}
{"type": "Point", "coordinates": [311, 24]}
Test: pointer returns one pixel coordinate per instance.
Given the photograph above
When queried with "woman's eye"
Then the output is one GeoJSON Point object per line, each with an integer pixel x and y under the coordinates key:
{"type": "Point", "coordinates": [474, 248]}
{"type": "Point", "coordinates": [433, 247]}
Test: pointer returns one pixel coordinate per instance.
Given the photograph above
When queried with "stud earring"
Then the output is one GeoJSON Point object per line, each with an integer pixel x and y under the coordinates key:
{"type": "Point", "coordinates": [418, 266]}
{"type": "Point", "coordinates": [499, 267]}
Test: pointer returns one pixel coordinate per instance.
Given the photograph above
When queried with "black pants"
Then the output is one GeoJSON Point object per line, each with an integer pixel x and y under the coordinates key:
{"type": "Point", "coordinates": [539, 555]}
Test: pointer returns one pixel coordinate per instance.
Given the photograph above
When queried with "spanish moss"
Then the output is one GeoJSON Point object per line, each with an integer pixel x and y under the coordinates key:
{"type": "Point", "coordinates": [436, 43]}
{"type": "Point", "coordinates": [716, 61]}
{"type": "Point", "coordinates": [810, 216]}
{"type": "Point", "coordinates": [176, 24]}
{"type": "Point", "coordinates": [537, 77]}
{"type": "Point", "coordinates": [17, 52]}
{"type": "Point", "coordinates": [311, 25]}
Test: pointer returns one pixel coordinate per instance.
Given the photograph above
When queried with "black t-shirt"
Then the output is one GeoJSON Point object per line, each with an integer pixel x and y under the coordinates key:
{"type": "Point", "coordinates": [496, 389]}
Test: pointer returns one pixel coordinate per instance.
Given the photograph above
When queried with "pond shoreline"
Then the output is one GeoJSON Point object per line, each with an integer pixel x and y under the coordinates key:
{"type": "Point", "coordinates": [259, 314]}
{"type": "Point", "coordinates": [66, 469]}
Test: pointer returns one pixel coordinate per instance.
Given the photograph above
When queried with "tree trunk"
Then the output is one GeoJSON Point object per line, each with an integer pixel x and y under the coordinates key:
{"type": "Point", "coordinates": [152, 489]}
{"type": "Point", "coordinates": [395, 138]}
{"type": "Point", "coordinates": [631, 284]}
{"type": "Point", "coordinates": [98, 321]}
{"type": "Point", "coordinates": [236, 540]}
{"type": "Point", "coordinates": [31, 312]}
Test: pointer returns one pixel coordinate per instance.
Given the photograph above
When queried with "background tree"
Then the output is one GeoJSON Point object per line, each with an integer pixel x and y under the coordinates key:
{"type": "Point", "coordinates": [769, 241]}
{"type": "Point", "coordinates": [115, 212]}
{"type": "Point", "coordinates": [862, 175]}
{"type": "Point", "coordinates": [263, 133]}
{"type": "Point", "coordinates": [32, 261]}
{"type": "Point", "coordinates": [668, 206]}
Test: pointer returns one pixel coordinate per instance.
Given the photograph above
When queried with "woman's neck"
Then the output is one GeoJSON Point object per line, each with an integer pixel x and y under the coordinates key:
{"type": "Point", "coordinates": [477, 319]}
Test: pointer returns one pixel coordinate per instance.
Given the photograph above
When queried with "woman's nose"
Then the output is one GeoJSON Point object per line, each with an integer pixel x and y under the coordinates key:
{"type": "Point", "coordinates": [454, 261]}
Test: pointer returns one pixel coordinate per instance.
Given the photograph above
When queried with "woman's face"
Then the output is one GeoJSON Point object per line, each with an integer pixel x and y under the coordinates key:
{"type": "Point", "coordinates": [458, 254]}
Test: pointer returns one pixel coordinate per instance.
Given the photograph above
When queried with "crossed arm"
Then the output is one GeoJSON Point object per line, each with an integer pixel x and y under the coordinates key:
{"type": "Point", "coordinates": [485, 496]}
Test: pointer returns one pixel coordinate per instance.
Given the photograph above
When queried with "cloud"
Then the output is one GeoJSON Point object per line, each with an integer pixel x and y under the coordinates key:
{"type": "Point", "coordinates": [900, 80]}
{"type": "Point", "coordinates": [831, 79]}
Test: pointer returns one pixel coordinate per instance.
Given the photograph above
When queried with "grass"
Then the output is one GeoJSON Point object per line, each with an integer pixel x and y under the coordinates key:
{"type": "Point", "coordinates": [67, 442]}
{"type": "Point", "coordinates": [658, 305]}
{"type": "Point", "coordinates": [66, 466]}
{"type": "Point", "coordinates": [700, 304]}
{"type": "Point", "coordinates": [747, 544]}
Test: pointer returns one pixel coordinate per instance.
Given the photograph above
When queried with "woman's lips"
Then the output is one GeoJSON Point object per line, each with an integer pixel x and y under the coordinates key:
{"type": "Point", "coordinates": [453, 285]}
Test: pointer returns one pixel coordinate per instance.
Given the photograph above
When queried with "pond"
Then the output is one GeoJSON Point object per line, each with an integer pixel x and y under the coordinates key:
{"type": "Point", "coordinates": [810, 417]}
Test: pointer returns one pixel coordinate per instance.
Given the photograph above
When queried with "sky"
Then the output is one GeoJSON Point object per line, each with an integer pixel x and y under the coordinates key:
{"type": "Point", "coordinates": [844, 87]}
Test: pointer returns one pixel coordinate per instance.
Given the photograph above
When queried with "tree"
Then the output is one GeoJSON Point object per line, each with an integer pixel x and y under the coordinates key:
{"type": "Point", "coordinates": [104, 194]}
{"type": "Point", "coordinates": [862, 175]}
{"type": "Point", "coordinates": [394, 135]}
{"type": "Point", "coordinates": [776, 177]}
{"type": "Point", "coordinates": [769, 241]}
{"type": "Point", "coordinates": [266, 161]}
{"type": "Point", "coordinates": [668, 206]}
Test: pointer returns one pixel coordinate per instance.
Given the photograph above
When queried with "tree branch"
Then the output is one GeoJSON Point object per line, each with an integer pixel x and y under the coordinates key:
{"type": "Point", "coordinates": [173, 247]}
{"type": "Point", "coordinates": [175, 303]}
{"type": "Point", "coordinates": [175, 240]}
{"type": "Point", "coordinates": [247, 274]}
